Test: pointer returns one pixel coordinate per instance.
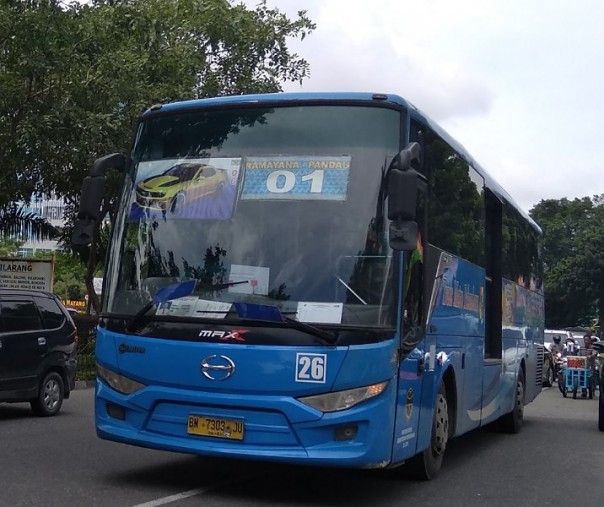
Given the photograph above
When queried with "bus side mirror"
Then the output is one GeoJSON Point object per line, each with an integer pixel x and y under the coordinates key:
{"type": "Point", "coordinates": [91, 199]}
{"type": "Point", "coordinates": [402, 195]}
{"type": "Point", "coordinates": [403, 185]}
{"type": "Point", "coordinates": [403, 235]}
{"type": "Point", "coordinates": [89, 214]}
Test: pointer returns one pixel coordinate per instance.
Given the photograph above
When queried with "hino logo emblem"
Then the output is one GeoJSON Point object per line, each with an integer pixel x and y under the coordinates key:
{"type": "Point", "coordinates": [217, 367]}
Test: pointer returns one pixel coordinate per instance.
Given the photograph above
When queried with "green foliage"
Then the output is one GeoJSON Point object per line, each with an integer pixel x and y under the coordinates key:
{"type": "Point", "coordinates": [574, 264]}
{"type": "Point", "coordinates": [74, 78]}
{"type": "Point", "coordinates": [69, 275]}
{"type": "Point", "coordinates": [16, 222]}
{"type": "Point", "coordinates": [9, 248]}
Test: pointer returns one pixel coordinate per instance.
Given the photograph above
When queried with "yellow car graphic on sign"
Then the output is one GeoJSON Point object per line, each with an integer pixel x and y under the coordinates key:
{"type": "Point", "coordinates": [181, 184]}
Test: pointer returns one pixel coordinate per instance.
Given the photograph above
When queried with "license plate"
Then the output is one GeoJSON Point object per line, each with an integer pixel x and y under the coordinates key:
{"type": "Point", "coordinates": [215, 427]}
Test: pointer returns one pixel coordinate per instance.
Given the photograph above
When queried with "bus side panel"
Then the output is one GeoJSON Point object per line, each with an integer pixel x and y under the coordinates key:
{"type": "Point", "coordinates": [428, 394]}
{"type": "Point", "coordinates": [511, 365]}
{"type": "Point", "coordinates": [494, 392]}
{"type": "Point", "coordinates": [409, 397]}
{"type": "Point", "coordinates": [472, 395]}
{"type": "Point", "coordinates": [457, 320]}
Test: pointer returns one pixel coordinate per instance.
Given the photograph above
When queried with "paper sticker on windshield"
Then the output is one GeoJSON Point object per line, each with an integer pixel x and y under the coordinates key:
{"type": "Point", "coordinates": [192, 306]}
{"type": "Point", "coordinates": [299, 178]}
{"type": "Point", "coordinates": [248, 279]}
{"type": "Point", "coordinates": [326, 313]}
{"type": "Point", "coordinates": [203, 188]}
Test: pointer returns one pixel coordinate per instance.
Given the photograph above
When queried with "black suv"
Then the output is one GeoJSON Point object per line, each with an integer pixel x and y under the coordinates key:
{"type": "Point", "coordinates": [38, 342]}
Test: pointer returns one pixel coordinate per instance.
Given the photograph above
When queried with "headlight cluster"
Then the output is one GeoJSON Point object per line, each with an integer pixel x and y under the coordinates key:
{"type": "Point", "coordinates": [341, 400]}
{"type": "Point", "coordinates": [118, 382]}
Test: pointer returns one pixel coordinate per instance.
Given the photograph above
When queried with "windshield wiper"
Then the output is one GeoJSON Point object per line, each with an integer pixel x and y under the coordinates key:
{"type": "Point", "coordinates": [245, 311]}
{"type": "Point", "coordinates": [175, 291]}
{"type": "Point", "coordinates": [328, 337]}
{"type": "Point", "coordinates": [268, 313]}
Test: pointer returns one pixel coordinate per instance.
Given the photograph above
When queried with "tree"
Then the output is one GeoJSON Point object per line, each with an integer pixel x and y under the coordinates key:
{"type": "Point", "coordinates": [574, 266]}
{"type": "Point", "coordinates": [9, 248]}
{"type": "Point", "coordinates": [75, 78]}
{"type": "Point", "coordinates": [69, 276]}
{"type": "Point", "coordinates": [19, 224]}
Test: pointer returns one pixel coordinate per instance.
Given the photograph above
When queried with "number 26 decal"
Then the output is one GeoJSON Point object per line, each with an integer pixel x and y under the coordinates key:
{"type": "Point", "coordinates": [311, 368]}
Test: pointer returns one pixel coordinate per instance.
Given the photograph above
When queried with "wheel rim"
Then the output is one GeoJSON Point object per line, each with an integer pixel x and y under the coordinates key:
{"type": "Point", "coordinates": [441, 426]}
{"type": "Point", "coordinates": [52, 394]}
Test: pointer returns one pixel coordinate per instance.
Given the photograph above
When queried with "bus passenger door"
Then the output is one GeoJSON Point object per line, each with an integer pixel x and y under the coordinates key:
{"type": "Point", "coordinates": [410, 378]}
{"type": "Point", "coordinates": [412, 368]}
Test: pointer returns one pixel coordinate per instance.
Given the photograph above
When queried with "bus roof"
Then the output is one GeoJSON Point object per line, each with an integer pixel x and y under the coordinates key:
{"type": "Point", "coordinates": [374, 98]}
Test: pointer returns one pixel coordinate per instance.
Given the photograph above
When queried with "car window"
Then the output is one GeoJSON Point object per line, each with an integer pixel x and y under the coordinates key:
{"type": "Point", "coordinates": [208, 171]}
{"type": "Point", "coordinates": [20, 316]}
{"type": "Point", "coordinates": [52, 315]}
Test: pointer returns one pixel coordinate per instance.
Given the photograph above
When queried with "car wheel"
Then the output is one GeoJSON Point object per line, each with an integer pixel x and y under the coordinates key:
{"type": "Point", "coordinates": [178, 203]}
{"type": "Point", "coordinates": [50, 396]}
{"type": "Point", "coordinates": [512, 422]}
{"type": "Point", "coordinates": [427, 463]}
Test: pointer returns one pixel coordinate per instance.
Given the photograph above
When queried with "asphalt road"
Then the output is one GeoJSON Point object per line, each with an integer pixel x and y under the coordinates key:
{"type": "Point", "coordinates": [557, 459]}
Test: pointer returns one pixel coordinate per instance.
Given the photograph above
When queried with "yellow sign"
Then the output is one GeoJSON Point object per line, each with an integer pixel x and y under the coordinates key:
{"type": "Point", "coordinates": [78, 304]}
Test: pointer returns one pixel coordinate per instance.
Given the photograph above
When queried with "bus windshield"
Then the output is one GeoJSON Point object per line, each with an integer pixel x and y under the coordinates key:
{"type": "Point", "coordinates": [279, 206]}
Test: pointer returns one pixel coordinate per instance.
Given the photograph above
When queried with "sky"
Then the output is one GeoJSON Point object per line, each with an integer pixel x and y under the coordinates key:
{"type": "Point", "coordinates": [519, 83]}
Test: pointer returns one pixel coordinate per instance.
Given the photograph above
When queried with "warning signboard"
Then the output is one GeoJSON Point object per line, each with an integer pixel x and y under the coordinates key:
{"type": "Point", "coordinates": [33, 274]}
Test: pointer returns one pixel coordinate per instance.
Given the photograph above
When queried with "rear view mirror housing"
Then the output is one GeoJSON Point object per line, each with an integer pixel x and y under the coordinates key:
{"type": "Point", "coordinates": [89, 214]}
{"type": "Point", "coordinates": [403, 235]}
{"type": "Point", "coordinates": [402, 195]}
{"type": "Point", "coordinates": [91, 198]}
{"type": "Point", "coordinates": [404, 183]}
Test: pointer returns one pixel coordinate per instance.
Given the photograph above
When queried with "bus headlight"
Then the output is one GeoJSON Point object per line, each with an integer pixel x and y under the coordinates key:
{"type": "Point", "coordinates": [341, 400]}
{"type": "Point", "coordinates": [118, 382]}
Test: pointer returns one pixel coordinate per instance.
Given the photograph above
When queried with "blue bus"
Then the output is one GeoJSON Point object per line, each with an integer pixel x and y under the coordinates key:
{"type": "Point", "coordinates": [325, 279]}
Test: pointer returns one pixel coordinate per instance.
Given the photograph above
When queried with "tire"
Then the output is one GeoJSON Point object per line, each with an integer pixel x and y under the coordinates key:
{"type": "Point", "coordinates": [50, 396]}
{"type": "Point", "coordinates": [512, 421]}
{"type": "Point", "coordinates": [426, 464]}
{"type": "Point", "coordinates": [575, 388]}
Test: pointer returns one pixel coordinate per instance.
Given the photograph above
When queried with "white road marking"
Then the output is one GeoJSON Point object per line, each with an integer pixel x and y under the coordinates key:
{"type": "Point", "coordinates": [174, 498]}
{"type": "Point", "coordinates": [192, 492]}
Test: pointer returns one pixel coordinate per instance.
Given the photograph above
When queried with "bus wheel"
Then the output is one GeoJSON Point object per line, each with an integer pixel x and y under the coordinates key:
{"type": "Point", "coordinates": [427, 463]}
{"type": "Point", "coordinates": [512, 422]}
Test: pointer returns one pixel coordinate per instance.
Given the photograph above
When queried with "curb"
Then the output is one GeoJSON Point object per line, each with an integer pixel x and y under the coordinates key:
{"type": "Point", "coordinates": [85, 384]}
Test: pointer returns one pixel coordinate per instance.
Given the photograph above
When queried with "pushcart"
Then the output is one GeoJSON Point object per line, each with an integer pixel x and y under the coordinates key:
{"type": "Point", "coordinates": [579, 375]}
